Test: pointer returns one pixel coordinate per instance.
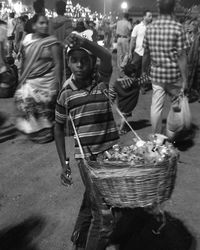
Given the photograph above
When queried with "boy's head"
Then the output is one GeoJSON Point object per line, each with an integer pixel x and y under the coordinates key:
{"type": "Point", "coordinates": [39, 7]}
{"type": "Point", "coordinates": [81, 63]}
{"type": "Point", "coordinates": [60, 7]}
{"type": "Point", "coordinates": [166, 7]}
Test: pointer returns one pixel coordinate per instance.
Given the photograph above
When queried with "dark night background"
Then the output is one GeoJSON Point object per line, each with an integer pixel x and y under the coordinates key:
{"type": "Point", "coordinates": [111, 4]}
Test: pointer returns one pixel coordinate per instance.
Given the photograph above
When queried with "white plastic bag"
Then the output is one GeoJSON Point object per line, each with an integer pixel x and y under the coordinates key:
{"type": "Point", "coordinates": [179, 117]}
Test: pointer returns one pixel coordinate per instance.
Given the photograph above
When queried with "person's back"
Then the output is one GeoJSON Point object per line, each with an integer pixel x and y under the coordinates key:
{"type": "Point", "coordinates": [123, 27]}
{"type": "Point", "coordinates": [60, 26]}
{"type": "Point", "coordinates": [164, 51]}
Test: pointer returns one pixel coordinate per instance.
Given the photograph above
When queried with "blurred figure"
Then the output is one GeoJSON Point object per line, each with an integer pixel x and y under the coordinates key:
{"type": "Point", "coordinates": [19, 32]}
{"type": "Point", "coordinates": [92, 26]}
{"type": "Point", "coordinates": [39, 83]}
{"type": "Point", "coordinates": [11, 27]}
{"type": "Point", "coordinates": [194, 62]}
{"type": "Point", "coordinates": [80, 27]}
{"type": "Point", "coordinates": [61, 26]}
{"type": "Point", "coordinates": [39, 8]}
{"type": "Point", "coordinates": [107, 34]}
{"type": "Point", "coordinates": [123, 33]}
{"type": "Point", "coordinates": [136, 50]}
{"type": "Point", "coordinates": [3, 39]}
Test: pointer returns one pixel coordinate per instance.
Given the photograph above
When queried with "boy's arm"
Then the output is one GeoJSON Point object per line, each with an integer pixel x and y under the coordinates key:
{"type": "Point", "coordinates": [59, 134]}
{"type": "Point", "coordinates": [94, 48]}
{"type": "Point", "coordinates": [100, 52]}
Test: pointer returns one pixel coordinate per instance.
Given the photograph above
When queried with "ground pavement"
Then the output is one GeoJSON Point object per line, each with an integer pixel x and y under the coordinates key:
{"type": "Point", "coordinates": [38, 213]}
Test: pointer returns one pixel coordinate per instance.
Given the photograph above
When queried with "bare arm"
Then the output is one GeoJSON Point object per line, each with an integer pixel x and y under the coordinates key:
{"type": "Point", "coordinates": [102, 53]}
{"type": "Point", "coordinates": [182, 62]}
{"type": "Point", "coordinates": [132, 46]}
{"type": "Point", "coordinates": [59, 134]}
{"type": "Point", "coordinates": [58, 61]}
{"type": "Point", "coordinates": [146, 61]}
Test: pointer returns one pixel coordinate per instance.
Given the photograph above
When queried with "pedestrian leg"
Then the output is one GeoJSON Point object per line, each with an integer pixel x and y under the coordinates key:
{"type": "Point", "coordinates": [158, 98]}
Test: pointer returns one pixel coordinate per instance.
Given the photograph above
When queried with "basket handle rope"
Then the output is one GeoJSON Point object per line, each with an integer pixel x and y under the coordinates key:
{"type": "Point", "coordinates": [77, 138]}
{"type": "Point", "coordinates": [123, 117]}
{"type": "Point", "coordinates": [81, 148]}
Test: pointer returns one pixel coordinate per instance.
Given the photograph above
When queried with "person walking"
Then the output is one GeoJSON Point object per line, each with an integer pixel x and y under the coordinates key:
{"type": "Point", "coordinates": [60, 26]}
{"type": "Point", "coordinates": [3, 39]}
{"type": "Point", "coordinates": [39, 83]}
{"type": "Point", "coordinates": [11, 26]}
{"type": "Point", "coordinates": [136, 50]}
{"type": "Point", "coordinates": [165, 47]}
{"type": "Point", "coordinates": [123, 31]}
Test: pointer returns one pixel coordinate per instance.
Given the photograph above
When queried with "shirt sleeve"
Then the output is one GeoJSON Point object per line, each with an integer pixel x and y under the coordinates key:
{"type": "Point", "coordinates": [181, 41]}
{"type": "Point", "coordinates": [134, 32]}
{"type": "Point", "coordinates": [104, 74]}
{"type": "Point", "coordinates": [145, 41]}
{"type": "Point", "coordinates": [61, 111]}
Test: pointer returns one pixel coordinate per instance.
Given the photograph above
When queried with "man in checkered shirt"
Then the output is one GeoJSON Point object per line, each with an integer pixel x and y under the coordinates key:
{"type": "Point", "coordinates": [165, 49]}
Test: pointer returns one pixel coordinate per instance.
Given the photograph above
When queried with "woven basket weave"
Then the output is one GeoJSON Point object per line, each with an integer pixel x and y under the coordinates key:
{"type": "Point", "coordinates": [129, 186]}
{"type": "Point", "coordinates": [123, 185]}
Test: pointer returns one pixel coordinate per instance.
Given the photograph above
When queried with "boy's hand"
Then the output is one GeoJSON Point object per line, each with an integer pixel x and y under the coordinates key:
{"type": "Point", "coordinates": [65, 176]}
{"type": "Point", "coordinates": [74, 40]}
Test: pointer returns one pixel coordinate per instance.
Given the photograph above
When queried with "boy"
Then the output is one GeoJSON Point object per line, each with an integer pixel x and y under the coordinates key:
{"type": "Point", "coordinates": [83, 98]}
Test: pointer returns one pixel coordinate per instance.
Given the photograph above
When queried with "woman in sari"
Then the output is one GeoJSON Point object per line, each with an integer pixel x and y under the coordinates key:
{"type": "Point", "coordinates": [39, 82]}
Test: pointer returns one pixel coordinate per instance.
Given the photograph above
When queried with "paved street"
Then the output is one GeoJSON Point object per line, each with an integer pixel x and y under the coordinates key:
{"type": "Point", "coordinates": [30, 188]}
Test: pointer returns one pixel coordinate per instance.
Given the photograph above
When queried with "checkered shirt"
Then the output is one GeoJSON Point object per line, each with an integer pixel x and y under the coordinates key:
{"type": "Point", "coordinates": [164, 38]}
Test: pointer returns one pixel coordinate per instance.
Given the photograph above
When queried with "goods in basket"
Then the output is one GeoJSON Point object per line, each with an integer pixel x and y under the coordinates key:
{"type": "Point", "coordinates": [156, 150]}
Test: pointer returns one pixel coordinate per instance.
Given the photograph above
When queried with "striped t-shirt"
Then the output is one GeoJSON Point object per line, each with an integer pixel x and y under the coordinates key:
{"type": "Point", "coordinates": [92, 116]}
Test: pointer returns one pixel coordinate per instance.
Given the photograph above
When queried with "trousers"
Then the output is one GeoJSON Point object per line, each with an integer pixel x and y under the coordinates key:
{"type": "Point", "coordinates": [122, 50]}
{"type": "Point", "coordinates": [95, 220]}
{"type": "Point", "coordinates": [158, 98]}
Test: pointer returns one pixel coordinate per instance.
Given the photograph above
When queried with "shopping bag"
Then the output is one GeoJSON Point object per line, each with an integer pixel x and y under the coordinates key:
{"type": "Point", "coordinates": [179, 117]}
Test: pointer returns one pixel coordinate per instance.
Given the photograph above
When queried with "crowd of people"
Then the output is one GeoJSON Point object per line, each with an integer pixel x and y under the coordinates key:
{"type": "Point", "coordinates": [64, 77]}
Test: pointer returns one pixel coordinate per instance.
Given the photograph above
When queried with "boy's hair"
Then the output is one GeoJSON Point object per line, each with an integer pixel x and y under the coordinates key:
{"type": "Point", "coordinates": [60, 7]}
{"type": "Point", "coordinates": [38, 6]}
{"type": "Point", "coordinates": [126, 16]}
{"type": "Point", "coordinates": [166, 7]}
{"type": "Point", "coordinates": [94, 58]}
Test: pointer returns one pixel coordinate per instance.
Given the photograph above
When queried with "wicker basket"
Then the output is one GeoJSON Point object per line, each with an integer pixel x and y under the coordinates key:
{"type": "Point", "coordinates": [134, 186]}
{"type": "Point", "coordinates": [123, 185]}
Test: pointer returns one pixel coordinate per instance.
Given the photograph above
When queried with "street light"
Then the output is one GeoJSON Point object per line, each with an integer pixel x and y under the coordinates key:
{"type": "Point", "coordinates": [104, 7]}
{"type": "Point", "coordinates": [124, 6]}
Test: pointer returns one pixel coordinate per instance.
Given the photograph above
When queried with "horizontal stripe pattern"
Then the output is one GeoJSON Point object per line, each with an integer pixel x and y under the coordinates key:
{"type": "Point", "coordinates": [92, 116]}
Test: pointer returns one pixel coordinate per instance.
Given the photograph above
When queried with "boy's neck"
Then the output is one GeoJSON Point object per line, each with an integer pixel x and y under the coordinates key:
{"type": "Point", "coordinates": [82, 84]}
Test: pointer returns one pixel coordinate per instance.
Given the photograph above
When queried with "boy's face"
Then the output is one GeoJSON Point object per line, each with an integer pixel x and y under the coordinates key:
{"type": "Point", "coordinates": [80, 64]}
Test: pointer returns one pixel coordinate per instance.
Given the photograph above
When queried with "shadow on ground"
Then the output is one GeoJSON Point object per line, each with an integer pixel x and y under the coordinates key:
{"type": "Point", "coordinates": [137, 125]}
{"type": "Point", "coordinates": [143, 230]}
{"type": "Point", "coordinates": [185, 139]}
{"type": "Point", "coordinates": [22, 236]}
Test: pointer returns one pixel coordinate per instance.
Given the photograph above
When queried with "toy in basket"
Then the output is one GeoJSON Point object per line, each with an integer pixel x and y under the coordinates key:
{"type": "Point", "coordinates": [140, 175]}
